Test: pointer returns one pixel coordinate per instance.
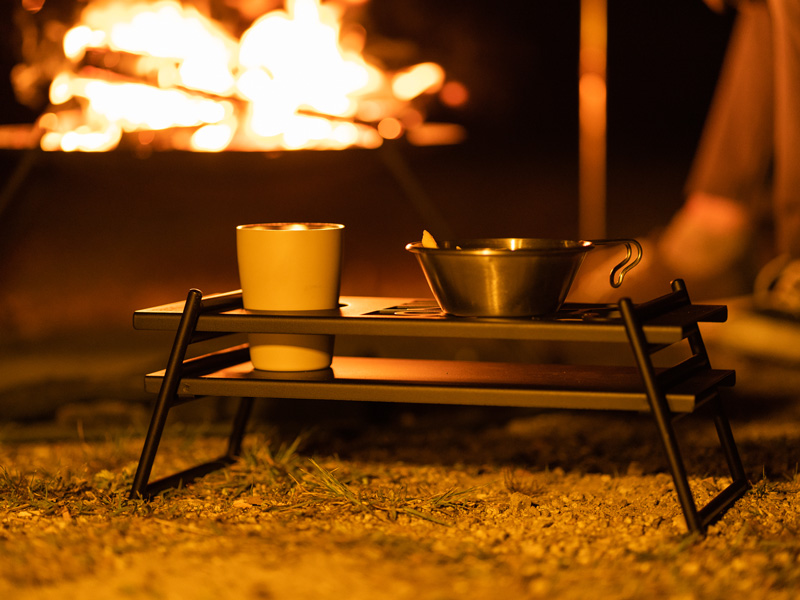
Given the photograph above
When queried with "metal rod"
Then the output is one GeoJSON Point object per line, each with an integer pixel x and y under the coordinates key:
{"type": "Point", "coordinates": [166, 394]}
{"type": "Point", "coordinates": [592, 119]}
{"type": "Point", "coordinates": [728, 443]}
{"type": "Point", "coordinates": [717, 506]}
{"type": "Point", "coordinates": [17, 179]}
{"type": "Point", "coordinates": [432, 218]}
{"type": "Point", "coordinates": [239, 427]}
{"type": "Point", "coordinates": [661, 413]}
{"type": "Point", "coordinates": [185, 477]}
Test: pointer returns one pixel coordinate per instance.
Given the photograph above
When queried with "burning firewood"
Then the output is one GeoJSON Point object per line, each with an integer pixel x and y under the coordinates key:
{"type": "Point", "coordinates": [292, 80]}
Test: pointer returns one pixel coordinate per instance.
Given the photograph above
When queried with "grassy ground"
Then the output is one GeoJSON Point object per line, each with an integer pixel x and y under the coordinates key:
{"type": "Point", "coordinates": [423, 504]}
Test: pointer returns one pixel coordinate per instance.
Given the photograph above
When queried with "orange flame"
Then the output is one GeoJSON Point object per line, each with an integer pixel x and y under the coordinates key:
{"type": "Point", "coordinates": [287, 83]}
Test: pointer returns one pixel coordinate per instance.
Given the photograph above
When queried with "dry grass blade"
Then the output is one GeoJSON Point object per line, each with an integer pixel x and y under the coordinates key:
{"type": "Point", "coordinates": [411, 512]}
{"type": "Point", "coordinates": [335, 488]}
{"type": "Point", "coordinates": [449, 498]}
{"type": "Point", "coordinates": [386, 501]}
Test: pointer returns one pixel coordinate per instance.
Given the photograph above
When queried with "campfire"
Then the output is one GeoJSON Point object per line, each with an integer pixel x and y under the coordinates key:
{"type": "Point", "coordinates": [165, 75]}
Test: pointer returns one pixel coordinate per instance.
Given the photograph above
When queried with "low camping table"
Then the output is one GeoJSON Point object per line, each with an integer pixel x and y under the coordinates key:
{"type": "Point", "coordinates": [666, 392]}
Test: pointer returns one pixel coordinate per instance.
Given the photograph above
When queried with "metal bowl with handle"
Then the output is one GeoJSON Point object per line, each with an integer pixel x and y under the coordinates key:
{"type": "Point", "coordinates": [510, 277]}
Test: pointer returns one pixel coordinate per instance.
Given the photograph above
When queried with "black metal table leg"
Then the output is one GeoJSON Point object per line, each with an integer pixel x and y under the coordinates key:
{"type": "Point", "coordinates": [696, 520]}
{"type": "Point", "coordinates": [239, 427]}
{"type": "Point", "coordinates": [662, 415]}
{"type": "Point", "coordinates": [166, 394]}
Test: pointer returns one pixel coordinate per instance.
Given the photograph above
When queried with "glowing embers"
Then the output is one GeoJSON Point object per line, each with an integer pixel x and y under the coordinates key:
{"type": "Point", "coordinates": [292, 80]}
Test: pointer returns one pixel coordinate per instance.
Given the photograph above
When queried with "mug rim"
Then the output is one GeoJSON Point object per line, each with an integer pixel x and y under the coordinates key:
{"type": "Point", "coordinates": [291, 226]}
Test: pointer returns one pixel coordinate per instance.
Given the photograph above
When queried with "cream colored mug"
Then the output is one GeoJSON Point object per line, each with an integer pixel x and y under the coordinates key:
{"type": "Point", "coordinates": [290, 267]}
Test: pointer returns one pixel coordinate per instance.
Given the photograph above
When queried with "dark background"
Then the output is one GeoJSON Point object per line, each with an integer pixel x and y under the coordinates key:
{"type": "Point", "coordinates": [85, 239]}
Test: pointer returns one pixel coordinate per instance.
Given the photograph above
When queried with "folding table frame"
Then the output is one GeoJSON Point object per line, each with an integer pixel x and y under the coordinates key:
{"type": "Point", "coordinates": [666, 392]}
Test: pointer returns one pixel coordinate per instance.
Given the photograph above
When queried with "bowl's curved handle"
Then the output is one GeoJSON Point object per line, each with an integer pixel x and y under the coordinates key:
{"type": "Point", "coordinates": [626, 264]}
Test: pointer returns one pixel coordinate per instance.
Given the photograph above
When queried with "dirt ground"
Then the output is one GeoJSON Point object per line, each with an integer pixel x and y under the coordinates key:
{"type": "Point", "coordinates": [424, 503]}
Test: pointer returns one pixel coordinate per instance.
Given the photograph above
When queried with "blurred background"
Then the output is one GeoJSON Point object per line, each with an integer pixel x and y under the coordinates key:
{"type": "Point", "coordinates": [490, 149]}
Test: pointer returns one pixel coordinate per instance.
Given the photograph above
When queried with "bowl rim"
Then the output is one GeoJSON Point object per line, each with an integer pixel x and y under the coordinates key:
{"type": "Point", "coordinates": [499, 247]}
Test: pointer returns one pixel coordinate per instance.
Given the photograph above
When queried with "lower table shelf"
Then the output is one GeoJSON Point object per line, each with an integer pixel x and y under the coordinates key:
{"type": "Point", "coordinates": [448, 382]}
